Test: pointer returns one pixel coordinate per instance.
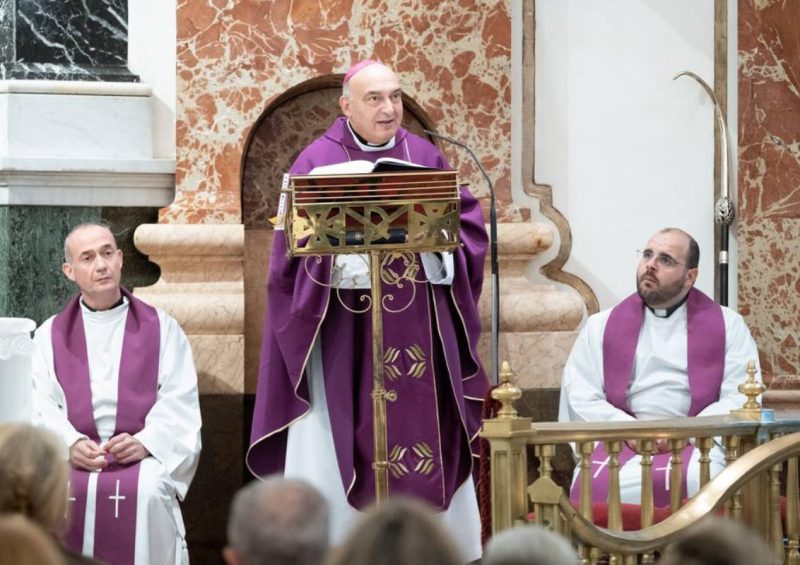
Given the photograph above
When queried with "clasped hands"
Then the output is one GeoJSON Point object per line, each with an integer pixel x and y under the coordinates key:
{"type": "Point", "coordinates": [659, 446]}
{"type": "Point", "coordinates": [88, 455]}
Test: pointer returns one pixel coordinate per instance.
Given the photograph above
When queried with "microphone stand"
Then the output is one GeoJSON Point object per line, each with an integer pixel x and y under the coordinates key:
{"type": "Point", "coordinates": [495, 371]}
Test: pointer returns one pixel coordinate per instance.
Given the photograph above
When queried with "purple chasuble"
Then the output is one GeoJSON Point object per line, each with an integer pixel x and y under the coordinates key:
{"type": "Point", "coordinates": [117, 485]}
{"type": "Point", "coordinates": [430, 357]}
{"type": "Point", "coordinates": [705, 336]}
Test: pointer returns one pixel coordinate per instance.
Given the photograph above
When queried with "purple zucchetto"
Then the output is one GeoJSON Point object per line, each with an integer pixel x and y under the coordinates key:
{"type": "Point", "coordinates": [355, 67]}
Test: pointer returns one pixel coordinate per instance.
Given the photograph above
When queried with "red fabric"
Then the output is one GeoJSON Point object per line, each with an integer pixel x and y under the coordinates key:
{"type": "Point", "coordinates": [631, 515]}
{"type": "Point", "coordinates": [490, 409]}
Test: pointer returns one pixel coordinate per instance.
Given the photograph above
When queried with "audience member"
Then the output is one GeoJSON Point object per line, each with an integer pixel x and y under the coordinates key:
{"type": "Point", "coordinates": [33, 480]}
{"type": "Point", "coordinates": [529, 545]}
{"type": "Point", "coordinates": [719, 541]}
{"type": "Point", "coordinates": [33, 475]}
{"type": "Point", "coordinates": [277, 521]}
{"type": "Point", "coordinates": [400, 531]}
{"type": "Point", "coordinates": [23, 542]}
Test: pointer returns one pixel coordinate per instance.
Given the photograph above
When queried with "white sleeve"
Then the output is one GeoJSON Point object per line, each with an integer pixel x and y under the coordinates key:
{"type": "Point", "coordinates": [739, 349]}
{"type": "Point", "coordinates": [438, 267]}
{"type": "Point", "coordinates": [583, 397]}
{"type": "Point", "coordinates": [172, 428]}
{"type": "Point", "coordinates": [352, 270]}
{"type": "Point", "coordinates": [49, 402]}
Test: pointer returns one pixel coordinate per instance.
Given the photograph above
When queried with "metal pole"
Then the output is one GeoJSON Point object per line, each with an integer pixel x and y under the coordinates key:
{"type": "Point", "coordinates": [724, 211]}
{"type": "Point", "coordinates": [380, 462]}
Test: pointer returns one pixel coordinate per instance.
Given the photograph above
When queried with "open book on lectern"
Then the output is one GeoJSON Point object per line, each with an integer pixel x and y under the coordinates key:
{"type": "Point", "coordinates": [357, 206]}
{"type": "Point", "coordinates": [382, 165]}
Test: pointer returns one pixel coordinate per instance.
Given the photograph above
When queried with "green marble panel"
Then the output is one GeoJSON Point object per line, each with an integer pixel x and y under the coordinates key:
{"type": "Point", "coordinates": [136, 269]}
{"type": "Point", "coordinates": [31, 254]}
{"type": "Point", "coordinates": [31, 239]}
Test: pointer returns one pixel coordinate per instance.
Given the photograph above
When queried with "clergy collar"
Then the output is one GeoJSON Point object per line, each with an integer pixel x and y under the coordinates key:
{"type": "Point", "coordinates": [666, 313]}
{"type": "Point", "coordinates": [117, 304]}
{"type": "Point", "coordinates": [365, 145]}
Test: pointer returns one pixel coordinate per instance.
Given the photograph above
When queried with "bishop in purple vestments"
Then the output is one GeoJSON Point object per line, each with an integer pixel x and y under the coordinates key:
{"type": "Point", "coordinates": [430, 348]}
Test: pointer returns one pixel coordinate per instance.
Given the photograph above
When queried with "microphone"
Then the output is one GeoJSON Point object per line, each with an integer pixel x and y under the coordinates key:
{"type": "Point", "coordinates": [495, 270]}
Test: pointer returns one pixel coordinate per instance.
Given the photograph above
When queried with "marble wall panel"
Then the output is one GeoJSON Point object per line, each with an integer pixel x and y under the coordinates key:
{"type": "Point", "coordinates": [6, 31]}
{"type": "Point", "coordinates": [65, 40]}
{"type": "Point", "coordinates": [234, 58]}
{"type": "Point", "coordinates": [769, 180]}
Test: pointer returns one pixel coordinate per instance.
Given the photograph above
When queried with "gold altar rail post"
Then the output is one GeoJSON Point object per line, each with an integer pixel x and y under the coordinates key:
{"type": "Point", "coordinates": [385, 215]}
{"type": "Point", "coordinates": [758, 448]}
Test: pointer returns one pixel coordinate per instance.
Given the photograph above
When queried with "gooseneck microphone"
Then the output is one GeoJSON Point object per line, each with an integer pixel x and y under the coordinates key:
{"type": "Point", "coordinates": [495, 371]}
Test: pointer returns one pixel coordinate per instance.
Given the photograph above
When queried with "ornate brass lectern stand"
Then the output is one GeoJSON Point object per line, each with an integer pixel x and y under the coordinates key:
{"type": "Point", "coordinates": [385, 216]}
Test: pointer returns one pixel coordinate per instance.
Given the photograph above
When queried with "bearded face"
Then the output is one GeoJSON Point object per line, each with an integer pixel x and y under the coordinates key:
{"type": "Point", "coordinates": [660, 295]}
{"type": "Point", "coordinates": [662, 277]}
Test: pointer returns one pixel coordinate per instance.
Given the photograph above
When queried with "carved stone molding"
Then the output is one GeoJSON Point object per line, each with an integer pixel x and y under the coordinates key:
{"type": "Point", "coordinates": [543, 192]}
{"type": "Point", "coordinates": [202, 287]}
{"type": "Point", "coordinates": [537, 321]}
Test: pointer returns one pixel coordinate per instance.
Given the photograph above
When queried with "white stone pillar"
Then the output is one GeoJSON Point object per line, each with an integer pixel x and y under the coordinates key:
{"type": "Point", "coordinates": [16, 379]}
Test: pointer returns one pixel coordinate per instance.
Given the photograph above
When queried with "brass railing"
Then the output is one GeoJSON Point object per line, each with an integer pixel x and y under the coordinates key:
{"type": "Point", "coordinates": [748, 488]}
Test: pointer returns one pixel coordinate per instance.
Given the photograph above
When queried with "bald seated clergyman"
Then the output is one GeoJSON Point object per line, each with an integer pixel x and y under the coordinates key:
{"type": "Point", "coordinates": [313, 412]}
{"type": "Point", "coordinates": [277, 521]}
{"type": "Point", "coordinates": [114, 377]}
{"type": "Point", "coordinates": [666, 351]}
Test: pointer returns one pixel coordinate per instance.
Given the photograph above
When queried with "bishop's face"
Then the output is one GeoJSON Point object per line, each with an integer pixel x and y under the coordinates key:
{"type": "Point", "coordinates": [374, 105]}
{"type": "Point", "coordinates": [662, 278]}
{"type": "Point", "coordinates": [95, 265]}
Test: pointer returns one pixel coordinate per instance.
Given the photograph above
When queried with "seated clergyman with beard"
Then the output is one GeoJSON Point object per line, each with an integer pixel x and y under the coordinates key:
{"type": "Point", "coordinates": [666, 351]}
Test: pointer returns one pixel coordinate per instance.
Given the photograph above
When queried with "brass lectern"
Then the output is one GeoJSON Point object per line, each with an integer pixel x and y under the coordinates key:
{"type": "Point", "coordinates": [386, 216]}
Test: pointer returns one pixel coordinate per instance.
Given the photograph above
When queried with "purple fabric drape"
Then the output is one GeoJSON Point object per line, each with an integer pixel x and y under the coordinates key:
{"type": "Point", "coordinates": [117, 485]}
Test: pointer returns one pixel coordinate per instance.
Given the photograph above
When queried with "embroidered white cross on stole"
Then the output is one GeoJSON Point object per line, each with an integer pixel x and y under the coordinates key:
{"type": "Point", "coordinates": [601, 465]}
{"type": "Point", "coordinates": [666, 470]}
{"type": "Point", "coordinates": [70, 499]}
{"type": "Point", "coordinates": [116, 498]}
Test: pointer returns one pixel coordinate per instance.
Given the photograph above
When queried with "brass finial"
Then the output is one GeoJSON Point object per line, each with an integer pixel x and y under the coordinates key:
{"type": "Point", "coordinates": [506, 393]}
{"type": "Point", "coordinates": [751, 388]}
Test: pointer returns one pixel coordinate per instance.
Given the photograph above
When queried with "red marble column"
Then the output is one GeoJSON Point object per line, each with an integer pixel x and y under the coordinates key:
{"type": "Point", "coordinates": [769, 182]}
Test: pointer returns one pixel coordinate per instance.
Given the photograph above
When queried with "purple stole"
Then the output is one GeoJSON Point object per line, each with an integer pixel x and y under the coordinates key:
{"type": "Point", "coordinates": [705, 346]}
{"type": "Point", "coordinates": [117, 485]}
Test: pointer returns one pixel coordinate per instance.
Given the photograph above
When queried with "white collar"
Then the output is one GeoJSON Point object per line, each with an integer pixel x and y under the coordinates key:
{"type": "Point", "coordinates": [369, 148]}
{"type": "Point", "coordinates": [105, 315]}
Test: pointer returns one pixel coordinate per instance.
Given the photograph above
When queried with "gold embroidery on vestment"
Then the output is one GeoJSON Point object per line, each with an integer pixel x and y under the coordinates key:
{"type": "Point", "coordinates": [396, 467]}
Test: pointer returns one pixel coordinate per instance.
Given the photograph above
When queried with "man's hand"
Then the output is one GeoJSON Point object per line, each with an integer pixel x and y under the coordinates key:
{"type": "Point", "coordinates": [659, 446]}
{"type": "Point", "coordinates": [126, 449]}
{"type": "Point", "coordinates": [87, 455]}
